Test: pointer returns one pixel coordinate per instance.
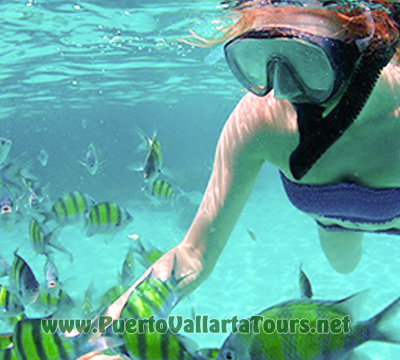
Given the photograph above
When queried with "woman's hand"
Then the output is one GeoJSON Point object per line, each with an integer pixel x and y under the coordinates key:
{"type": "Point", "coordinates": [183, 262]}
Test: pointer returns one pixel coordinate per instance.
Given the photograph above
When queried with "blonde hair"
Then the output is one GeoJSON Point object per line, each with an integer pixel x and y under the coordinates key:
{"type": "Point", "coordinates": [351, 21]}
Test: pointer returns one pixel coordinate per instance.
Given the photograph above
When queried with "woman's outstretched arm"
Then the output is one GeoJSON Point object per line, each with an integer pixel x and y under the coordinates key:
{"type": "Point", "coordinates": [239, 157]}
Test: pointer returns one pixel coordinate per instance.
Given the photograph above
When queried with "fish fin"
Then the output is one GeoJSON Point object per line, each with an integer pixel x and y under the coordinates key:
{"type": "Point", "coordinates": [381, 324]}
{"type": "Point", "coordinates": [192, 309]}
{"type": "Point", "coordinates": [191, 198]}
{"type": "Point", "coordinates": [89, 231]}
{"type": "Point", "coordinates": [173, 283]}
{"type": "Point", "coordinates": [106, 342]}
{"type": "Point", "coordinates": [305, 284]}
{"type": "Point", "coordinates": [109, 239]}
{"type": "Point", "coordinates": [82, 163]}
{"type": "Point", "coordinates": [352, 305]}
{"type": "Point", "coordinates": [56, 245]}
{"type": "Point", "coordinates": [358, 355]}
{"type": "Point", "coordinates": [189, 345]}
{"type": "Point", "coordinates": [153, 200]}
{"type": "Point", "coordinates": [167, 173]}
{"type": "Point", "coordinates": [146, 143]}
{"type": "Point", "coordinates": [144, 262]}
{"type": "Point", "coordinates": [4, 267]}
{"type": "Point", "coordinates": [135, 167]}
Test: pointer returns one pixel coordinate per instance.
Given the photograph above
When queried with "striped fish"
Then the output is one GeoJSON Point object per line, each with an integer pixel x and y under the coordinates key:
{"type": "Point", "coordinates": [106, 217]}
{"type": "Point", "coordinates": [146, 257]}
{"type": "Point", "coordinates": [32, 343]}
{"type": "Point", "coordinates": [88, 302]}
{"type": "Point", "coordinates": [23, 280]}
{"type": "Point", "coordinates": [10, 304]}
{"type": "Point", "coordinates": [154, 158]}
{"type": "Point", "coordinates": [91, 161]}
{"type": "Point", "coordinates": [8, 354]}
{"type": "Point", "coordinates": [42, 241]}
{"type": "Point", "coordinates": [149, 257]}
{"type": "Point", "coordinates": [51, 298]}
{"type": "Point", "coordinates": [158, 298]}
{"type": "Point", "coordinates": [162, 189]}
{"type": "Point", "coordinates": [70, 208]}
{"type": "Point", "coordinates": [9, 207]}
{"type": "Point", "coordinates": [5, 147]}
{"type": "Point", "coordinates": [5, 341]}
{"type": "Point", "coordinates": [306, 343]}
{"type": "Point", "coordinates": [112, 294]}
{"type": "Point", "coordinates": [11, 309]}
{"type": "Point", "coordinates": [49, 304]}
{"type": "Point", "coordinates": [53, 283]}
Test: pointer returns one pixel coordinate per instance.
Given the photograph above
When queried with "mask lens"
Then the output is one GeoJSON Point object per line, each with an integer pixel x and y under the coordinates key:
{"type": "Point", "coordinates": [261, 64]}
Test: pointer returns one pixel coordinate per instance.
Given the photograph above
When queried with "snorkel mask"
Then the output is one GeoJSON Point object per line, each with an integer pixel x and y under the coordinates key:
{"type": "Point", "coordinates": [328, 79]}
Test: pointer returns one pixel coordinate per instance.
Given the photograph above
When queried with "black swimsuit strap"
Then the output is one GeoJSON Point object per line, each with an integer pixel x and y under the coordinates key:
{"type": "Point", "coordinates": [317, 134]}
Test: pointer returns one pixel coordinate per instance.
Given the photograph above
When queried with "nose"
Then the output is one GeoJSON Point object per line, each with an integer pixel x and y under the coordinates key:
{"type": "Point", "coordinates": [284, 83]}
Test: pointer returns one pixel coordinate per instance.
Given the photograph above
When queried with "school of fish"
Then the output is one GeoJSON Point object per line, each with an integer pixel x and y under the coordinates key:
{"type": "Point", "coordinates": [24, 301]}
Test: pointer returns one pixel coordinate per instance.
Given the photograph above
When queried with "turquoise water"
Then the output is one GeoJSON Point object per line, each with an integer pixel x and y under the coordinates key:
{"type": "Point", "coordinates": [79, 72]}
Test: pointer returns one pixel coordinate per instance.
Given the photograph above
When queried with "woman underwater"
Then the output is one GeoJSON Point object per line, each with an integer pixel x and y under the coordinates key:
{"type": "Point", "coordinates": [323, 106]}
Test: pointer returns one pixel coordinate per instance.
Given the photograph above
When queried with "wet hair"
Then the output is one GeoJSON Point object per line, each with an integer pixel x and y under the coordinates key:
{"type": "Point", "coordinates": [247, 14]}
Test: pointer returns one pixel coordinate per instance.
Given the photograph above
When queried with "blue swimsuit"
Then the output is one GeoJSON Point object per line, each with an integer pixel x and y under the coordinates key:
{"type": "Point", "coordinates": [347, 202]}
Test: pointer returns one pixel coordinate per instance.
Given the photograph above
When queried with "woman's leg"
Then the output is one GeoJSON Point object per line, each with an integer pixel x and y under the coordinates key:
{"type": "Point", "coordinates": [343, 249]}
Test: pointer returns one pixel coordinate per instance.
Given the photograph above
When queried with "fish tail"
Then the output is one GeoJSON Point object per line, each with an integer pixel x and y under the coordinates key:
{"type": "Point", "coordinates": [173, 285]}
{"type": "Point", "coordinates": [106, 342]}
{"type": "Point", "coordinates": [144, 146]}
{"type": "Point", "coordinates": [381, 325]}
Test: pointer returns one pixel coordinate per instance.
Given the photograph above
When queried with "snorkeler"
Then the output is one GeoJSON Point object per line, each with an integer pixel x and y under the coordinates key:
{"type": "Point", "coordinates": [323, 106]}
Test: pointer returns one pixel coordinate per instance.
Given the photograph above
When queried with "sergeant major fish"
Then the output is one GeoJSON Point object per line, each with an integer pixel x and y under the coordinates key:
{"type": "Point", "coordinates": [154, 159]}
{"type": "Point", "coordinates": [43, 157]}
{"type": "Point", "coordinates": [88, 308]}
{"type": "Point", "coordinates": [33, 343]}
{"type": "Point", "coordinates": [70, 208]}
{"type": "Point", "coordinates": [53, 283]}
{"type": "Point", "coordinates": [162, 189]}
{"type": "Point", "coordinates": [106, 217]}
{"type": "Point", "coordinates": [10, 304]}
{"type": "Point", "coordinates": [23, 280]}
{"type": "Point", "coordinates": [5, 147]}
{"type": "Point", "coordinates": [6, 341]}
{"type": "Point", "coordinates": [42, 240]}
{"type": "Point", "coordinates": [9, 209]}
{"type": "Point", "coordinates": [311, 345]}
{"type": "Point", "coordinates": [155, 297]}
{"type": "Point", "coordinates": [146, 257]}
{"type": "Point", "coordinates": [91, 161]}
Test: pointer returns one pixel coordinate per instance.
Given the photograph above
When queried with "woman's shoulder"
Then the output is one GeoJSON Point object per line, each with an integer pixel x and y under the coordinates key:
{"type": "Point", "coordinates": [385, 97]}
{"type": "Point", "coordinates": [391, 74]}
{"type": "Point", "coordinates": [267, 113]}
{"type": "Point", "coordinates": [270, 124]}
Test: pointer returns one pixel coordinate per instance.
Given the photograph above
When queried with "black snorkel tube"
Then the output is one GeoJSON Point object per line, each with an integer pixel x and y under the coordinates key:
{"type": "Point", "coordinates": [318, 133]}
